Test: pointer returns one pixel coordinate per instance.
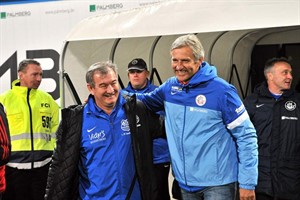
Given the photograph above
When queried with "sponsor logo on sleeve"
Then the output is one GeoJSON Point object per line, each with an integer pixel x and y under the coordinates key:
{"type": "Point", "coordinates": [240, 109]}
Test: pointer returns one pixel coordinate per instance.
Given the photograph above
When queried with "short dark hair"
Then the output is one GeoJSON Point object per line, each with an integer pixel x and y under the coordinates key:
{"type": "Point", "coordinates": [24, 63]}
{"type": "Point", "coordinates": [271, 62]}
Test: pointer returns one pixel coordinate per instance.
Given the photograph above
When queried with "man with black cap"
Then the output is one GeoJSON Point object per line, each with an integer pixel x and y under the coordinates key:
{"type": "Point", "coordinates": [139, 83]}
{"type": "Point", "coordinates": [138, 77]}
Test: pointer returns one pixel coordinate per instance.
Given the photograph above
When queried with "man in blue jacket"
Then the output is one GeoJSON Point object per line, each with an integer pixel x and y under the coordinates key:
{"type": "Point", "coordinates": [212, 142]}
{"type": "Point", "coordinates": [139, 83]}
{"type": "Point", "coordinates": [104, 148]}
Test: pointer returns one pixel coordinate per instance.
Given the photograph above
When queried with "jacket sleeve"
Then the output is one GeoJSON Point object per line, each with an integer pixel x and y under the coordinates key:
{"type": "Point", "coordinates": [157, 128]}
{"type": "Point", "coordinates": [55, 120]}
{"type": "Point", "coordinates": [153, 100]}
{"type": "Point", "coordinates": [142, 144]}
{"type": "Point", "coordinates": [62, 182]}
{"type": "Point", "coordinates": [154, 118]}
{"type": "Point", "coordinates": [246, 139]}
{"type": "Point", "coordinates": [242, 129]}
{"type": "Point", "coordinates": [249, 103]}
{"type": "Point", "coordinates": [5, 145]}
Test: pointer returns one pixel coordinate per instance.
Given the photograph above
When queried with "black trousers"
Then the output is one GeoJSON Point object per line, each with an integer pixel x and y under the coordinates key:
{"type": "Point", "coordinates": [260, 196]}
{"type": "Point", "coordinates": [25, 184]}
{"type": "Point", "coordinates": [176, 191]}
{"type": "Point", "coordinates": [162, 176]}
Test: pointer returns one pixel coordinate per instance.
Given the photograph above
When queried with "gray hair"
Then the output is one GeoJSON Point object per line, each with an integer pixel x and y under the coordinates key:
{"type": "Point", "coordinates": [24, 63]}
{"type": "Point", "coordinates": [101, 68]}
{"type": "Point", "coordinates": [191, 41]}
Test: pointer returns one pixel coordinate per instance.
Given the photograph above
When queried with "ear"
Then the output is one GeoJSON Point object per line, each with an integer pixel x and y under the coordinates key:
{"type": "Point", "coordinates": [269, 76]}
{"type": "Point", "coordinates": [90, 88]}
{"type": "Point", "coordinates": [20, 75]}
{"type": "Point", "coordinates": [201, 60]}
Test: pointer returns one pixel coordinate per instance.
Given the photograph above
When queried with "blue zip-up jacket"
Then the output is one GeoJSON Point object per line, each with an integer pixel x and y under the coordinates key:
{"type": "Point", "coordinates": [106, 154]}
{"type": "Point", "coordinates": [211, 138]}
{"type": "Point", "coordinates": [118, 146]}
{"type": "Point", "coordinates": [160, 145]}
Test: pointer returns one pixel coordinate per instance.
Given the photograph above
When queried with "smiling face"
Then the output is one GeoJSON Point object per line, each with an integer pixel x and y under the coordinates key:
{"type": "Point", "coordinates": [280, 77]}
{"type": "Point", "coordinates": [105, 90]}
{"type": "Point", "coordinates": [184, 64]}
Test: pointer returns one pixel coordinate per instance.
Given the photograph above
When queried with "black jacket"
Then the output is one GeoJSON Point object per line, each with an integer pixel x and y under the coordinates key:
{"type": "Point", "coordinates": [63, 173]}
{"type": "Point", "coordinates": [278, 128]}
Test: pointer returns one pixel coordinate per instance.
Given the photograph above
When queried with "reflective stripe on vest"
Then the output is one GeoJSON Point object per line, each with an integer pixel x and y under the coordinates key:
{"type": "Point", "coordinates": [22, 136]}
{"type": "Point", "coordinates": [28, 165]}
{"type": "Point", "coordinates": [22, 159]}
{"type": "Point", "coordinates": [24, 141]}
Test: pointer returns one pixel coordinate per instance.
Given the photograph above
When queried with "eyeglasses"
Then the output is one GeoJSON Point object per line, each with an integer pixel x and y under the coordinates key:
{"type": "Point", "coordinates": [133, 71]}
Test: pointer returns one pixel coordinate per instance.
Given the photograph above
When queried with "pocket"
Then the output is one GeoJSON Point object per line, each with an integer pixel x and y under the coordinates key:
{"type": "Point", "coordinates": [16, 122]}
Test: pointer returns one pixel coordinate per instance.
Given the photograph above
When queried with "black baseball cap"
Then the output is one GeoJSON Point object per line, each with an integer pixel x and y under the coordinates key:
{"type": "Point", "coordinates": [137, 64]}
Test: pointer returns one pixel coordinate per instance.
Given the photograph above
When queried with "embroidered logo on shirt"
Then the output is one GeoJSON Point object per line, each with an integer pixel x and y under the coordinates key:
{"type": "Point", "coordinates": [90, 130]}
{"type": "Point", "coordinates": [125, 125]}
{"type": "Point", "coordinates": [259, 105]}
{"type": "Point", "coordinates": [200, 100]}
{"type": "Point", "coordinates": [192, 109]}
{"type": "Point", "coordinates": [288, 118]}
{"type": "Point", "coordinates": [96, 137]}
{"type": "Point", "coordinates": [290, 105]}
{"type": "Point", "coordinates": [175, 90]}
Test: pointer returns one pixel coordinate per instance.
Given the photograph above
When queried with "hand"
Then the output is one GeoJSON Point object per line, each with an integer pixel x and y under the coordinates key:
{"type": "Point", "coordinates": [247, 194]}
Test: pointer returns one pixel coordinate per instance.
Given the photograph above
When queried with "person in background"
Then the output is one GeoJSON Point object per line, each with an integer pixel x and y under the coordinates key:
{"type": "Point", "coordinates": [33, 117]}
{"type": "Point", "coordinates": [139, 83]}
{"type": "Point", "coordinates": [212, 140]}
{"type": "Point", "coordinates": [274, 109]}
{"type": "Point", "coordinates": [5, 148]}
{"type": "Point", "coordinates": [104, 148]}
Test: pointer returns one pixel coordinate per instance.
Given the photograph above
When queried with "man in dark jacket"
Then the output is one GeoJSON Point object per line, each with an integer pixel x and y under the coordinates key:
{"type": "Point", "coordinates": [104, 148]}
{"type": "Point", "coordinates": [139, 83]}
{"type": "Point", "coordinates": [274, 110]}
